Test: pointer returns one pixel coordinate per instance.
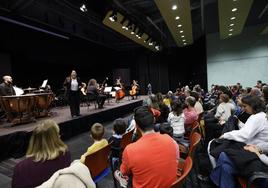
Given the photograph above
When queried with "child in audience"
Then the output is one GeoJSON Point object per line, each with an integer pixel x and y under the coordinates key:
{"type": "Point", "coordinates": [45, 155]}
{"type": "Point", "coordinates": [97, 132]}
{"type": "Point", "coordinates": [176, 119]}
{"type": "Point", "coordinates": [119, 127]}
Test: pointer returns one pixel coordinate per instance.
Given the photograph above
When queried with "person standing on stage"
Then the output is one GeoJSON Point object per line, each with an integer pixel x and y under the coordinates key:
{"type": "Point", "coordinates": [73, 85]}
{"type": "Point", "coordinates": [6, 87]}
{"type": "Point", "coordinates": [92, 89]}
{"type": "Point", "coordinates": [149, 89]}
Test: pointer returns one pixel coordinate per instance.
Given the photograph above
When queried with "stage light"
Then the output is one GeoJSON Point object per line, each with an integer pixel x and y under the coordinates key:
{"type": "Point", "coordinates": [130, 25]}
{"type": "Point", "coordinates": [113, 17]}
{"type": "Point", "coordinates": [123, 21]}
{"type": "Point", "coordinates": [148, 38]}
{"type": "Point", "coordinates": [83, 8]}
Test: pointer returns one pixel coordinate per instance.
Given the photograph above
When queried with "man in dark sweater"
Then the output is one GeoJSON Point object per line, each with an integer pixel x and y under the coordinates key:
{"type": "Point", "coordinates": [6, 87]}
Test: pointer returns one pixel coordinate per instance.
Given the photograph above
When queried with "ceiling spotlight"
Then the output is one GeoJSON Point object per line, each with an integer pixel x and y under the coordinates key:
{"type": "Point", "coordinates": [113, 17]}
{"type": "Point", "coordinates": [174, 7]}
{"type": "Point", "coordinates": [184, 43]}
{"type": "Point", "coordinates": [151, 43]}
{"type": "Point", "coordinates": [157, 47]}
{"type": "Point", "coordinates": [181, 31]}
{"type": "Point", "coordinates": [177, 17]}
{"type": "Point", "coordinates": [234, 9]}
{"type": "Point", "coordinates": [133, 30]}
{"type": "Point", "coordinates": [182, 36]}
{"type": "Point", "coordinates": [230, 34]}
{"type": "Point", "coordinates": [230, 29]}
{"type": "Point", "coordinates": [232, 18]}
{"type": "Point", "coordinates": [231, 24]}
{"type": "Point", "coordinates": [179, 25]}
{"type": "Point", "coordinates": [130, 25]}
{"type": "Point", "coordinates": [83, 8]}
{"type": "Point", "coordinates": [183, 40]}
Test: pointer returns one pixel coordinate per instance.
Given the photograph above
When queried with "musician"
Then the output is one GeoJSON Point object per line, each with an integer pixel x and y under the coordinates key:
{"type": "Point", "coordinates": [73, 84]}
{"type": "Point", "coordinates": [118, 83]}
{"type": "Point", "coordinates": [134, 89]}
{"type": "Point", "coordinates": [93, 89]}
{"type": "Point", "coordinates": [6, 88]}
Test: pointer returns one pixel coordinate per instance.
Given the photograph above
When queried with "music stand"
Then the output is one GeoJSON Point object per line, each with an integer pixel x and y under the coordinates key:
{"type": "Point", "coordinates": [44, 84]}
{"type": "Point", "coordinates": [107, 91]}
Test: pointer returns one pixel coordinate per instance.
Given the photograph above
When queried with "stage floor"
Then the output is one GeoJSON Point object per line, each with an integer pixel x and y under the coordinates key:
{"type": "Point", "coordinates": [62, 114]}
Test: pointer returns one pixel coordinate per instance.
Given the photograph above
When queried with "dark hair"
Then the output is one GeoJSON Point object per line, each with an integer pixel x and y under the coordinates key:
{"type": "Point", "coordinates": [195, 95]}
{"type": "Point", "coordinates": [120, 126]}
{"type": "Point", "coordinates": [144, 118]}
{"type": "Point", "coordinates": [190, 100]}
{"type": "Point", "coordinates": [165, 128]}
{"type": "Point", "coordinates": [265, 94]}
{"type": "Point", "coordinates": [177, 107]}
{"type": "Point", "coordinates": [97, 131]}
{"type": "Point", "coordinates": [255, 103]}
{"type": "Point", "coordinates": [225, 90]}
{"type": "Point", "coordinates": [224, 97]}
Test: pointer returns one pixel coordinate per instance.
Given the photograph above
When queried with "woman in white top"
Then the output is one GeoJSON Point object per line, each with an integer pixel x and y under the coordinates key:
{"type": "Point", "coordinates": [225, 109]}
{"type": "Point", "coordinates": [176, 119]}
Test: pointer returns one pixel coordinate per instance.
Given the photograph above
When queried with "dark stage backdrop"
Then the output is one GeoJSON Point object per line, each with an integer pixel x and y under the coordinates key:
{"type": "Point", "coordinates": [5, 65]}
{"type": "Point", "coordinates": [36, 56]}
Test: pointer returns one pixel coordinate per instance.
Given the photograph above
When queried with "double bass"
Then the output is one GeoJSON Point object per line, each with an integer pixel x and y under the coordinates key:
{"type": "Point", "coordinates": [120, 94]}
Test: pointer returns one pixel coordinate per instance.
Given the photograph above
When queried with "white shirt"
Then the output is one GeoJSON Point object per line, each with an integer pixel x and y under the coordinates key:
{"type": "Point", "coordinates": [224, 111]}
{"type": "Point", "coordinates": [177, 123]}
{"type": "Point", "coordinates": [255, 131]}
{"type": "Point", "coordinates": [74, 85]}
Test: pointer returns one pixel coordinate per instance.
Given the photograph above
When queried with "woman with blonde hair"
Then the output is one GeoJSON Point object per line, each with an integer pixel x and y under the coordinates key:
{"type": "Point", "coordinates": [45, 155]}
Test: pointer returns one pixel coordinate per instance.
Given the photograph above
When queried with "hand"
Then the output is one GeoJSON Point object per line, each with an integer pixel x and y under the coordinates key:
{"type": "Point", "coordinates": [252, 148]}
{"type": "Point", "coordinates": [221, 137]}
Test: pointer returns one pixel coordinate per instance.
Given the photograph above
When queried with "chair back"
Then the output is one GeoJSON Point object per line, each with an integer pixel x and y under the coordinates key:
{"type": "Point", "coordinates": [126, 139]}
{"type": "Point", "coordinates": [194, 140]}
{"type": "Point", "coordinates": [195, 128]}
{"type": "Point", "coordinates": [98, 161]}
{"type": "Point", "coordinates": [185, 167]}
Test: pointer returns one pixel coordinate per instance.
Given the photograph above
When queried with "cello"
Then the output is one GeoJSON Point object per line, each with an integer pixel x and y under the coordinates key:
{"type": "Point", "coordinates": [134, 88]}
{"type": "Point", "coordinates": [120, 94]}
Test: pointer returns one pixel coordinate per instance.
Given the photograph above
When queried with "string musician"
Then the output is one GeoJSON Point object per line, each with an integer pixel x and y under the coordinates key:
{"type": "Point", "coordinates": [120, 94]}
{"type": "Point", "coordinates": [134, 89]}
{"type": "Point", "coordinates": [93, 91]}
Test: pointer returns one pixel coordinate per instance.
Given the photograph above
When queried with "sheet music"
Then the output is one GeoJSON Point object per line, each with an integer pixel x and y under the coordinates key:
{"type": "Point", "coordinates": [117, 88]}
{"type": "Point", "coordinates": [108, 89]}
{"type": "Point", "coordinates": [44, 84]}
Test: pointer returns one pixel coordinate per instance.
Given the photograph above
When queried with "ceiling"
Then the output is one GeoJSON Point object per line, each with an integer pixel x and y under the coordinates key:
{"type": "Point", "coordinates": [64, 17]}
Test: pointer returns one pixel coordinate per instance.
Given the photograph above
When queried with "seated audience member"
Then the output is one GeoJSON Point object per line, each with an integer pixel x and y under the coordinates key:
{"type": "Point", "coordinates": [75, 176]}
{"type": "Point", "coordinates": [189, 112]}
{"type": "Point", "coordinates": [97, 132]}
{"type": "Point", "coordinates": [265, 94]}
{"type": "Point", "coordinates": [165, 128]}
{"type": "Point", "coordinates": [224, 110]}
{"type": "Point", "coordinates": [146, 158]}
{"type": "Point", "coordinates": [119, 127]}
{"type": "Point", "coordinates": [45, 155]}
{"type": "Point", "coordinates": [255, 130]}
{"type": "Point", "coordinates": [256, 92]}
{"type": "Point", "coordinates": [223, 175]}
{"type": "Point", "coordinates": [176, 119]}
{"type": "Point", "coordinates": [198, 105]}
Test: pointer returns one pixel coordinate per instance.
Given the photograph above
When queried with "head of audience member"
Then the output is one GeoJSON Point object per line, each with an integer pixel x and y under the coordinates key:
{"type": "Point", "coordinates": [255, 92]}
{"type": "Point", "coordinates": [73, 74]}
{"type": "Point", "coordinates": [253, 104]}
{"type": "Point", "coordinates": [265, 94]}
{"type": "Point", "coordinates": [259, 84]}
{"type": "Point", "coordinates": [120, 126]}
{"type": "Point", "coordinates": [7, 80]}
{"type": "Point", "coordinates": [195, 95]}
{"type": "Point", "coordinates": [225, 90]}
{"type": "Point", "coordinates": [45, 143]}
{"type": "Point", "coordinates": [177, 107]}
{"type": "Point", "coordinates": [224, 98]}
{"type": "Point", "coordinates": [144, 119]}
{"type": "Point", "coordinates": [190, 101]}
{"type": "Point", "coordinates": [97, 131]}
{"type": "Point", "coordinates": [239, 99]}
{"type": "Point", "coordinates": [165, 128]}
{"type": "Point", "coordinates": [248, 89]}
{"type": "Point", "coordinates": [159, 97]}
{"type": "Point", "coordinates": [154, 102]}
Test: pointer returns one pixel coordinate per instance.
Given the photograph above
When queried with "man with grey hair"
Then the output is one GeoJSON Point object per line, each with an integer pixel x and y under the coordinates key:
{"type": "Point", "coordinates": [6, 87]}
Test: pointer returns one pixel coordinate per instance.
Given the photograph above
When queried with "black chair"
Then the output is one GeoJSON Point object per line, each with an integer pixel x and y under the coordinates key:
{"type": "Point", "coordinates": [91, 98]}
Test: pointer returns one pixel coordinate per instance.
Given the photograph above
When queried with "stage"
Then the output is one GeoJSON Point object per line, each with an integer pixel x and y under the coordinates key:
{"type": "Point", "coordinates": [14, 139]}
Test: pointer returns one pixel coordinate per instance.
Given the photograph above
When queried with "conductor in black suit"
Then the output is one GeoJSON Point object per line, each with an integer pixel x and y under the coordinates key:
{"type": "Point", "coordinates": [73, 84]}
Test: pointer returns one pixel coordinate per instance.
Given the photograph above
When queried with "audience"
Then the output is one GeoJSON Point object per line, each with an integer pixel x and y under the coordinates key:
{"type": "Point", "coordinates": [146, 158]}
{"type": "Point", "coordinates": [75, 176]}
{"type": "Point", "coordinates": [45, 155]}
{"type": "Point", "coordinates": [189, 112]}
{"type": "Point", "coordinates": [97, 132]}
{"type": "Point", "coordinates": [119, 128]}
